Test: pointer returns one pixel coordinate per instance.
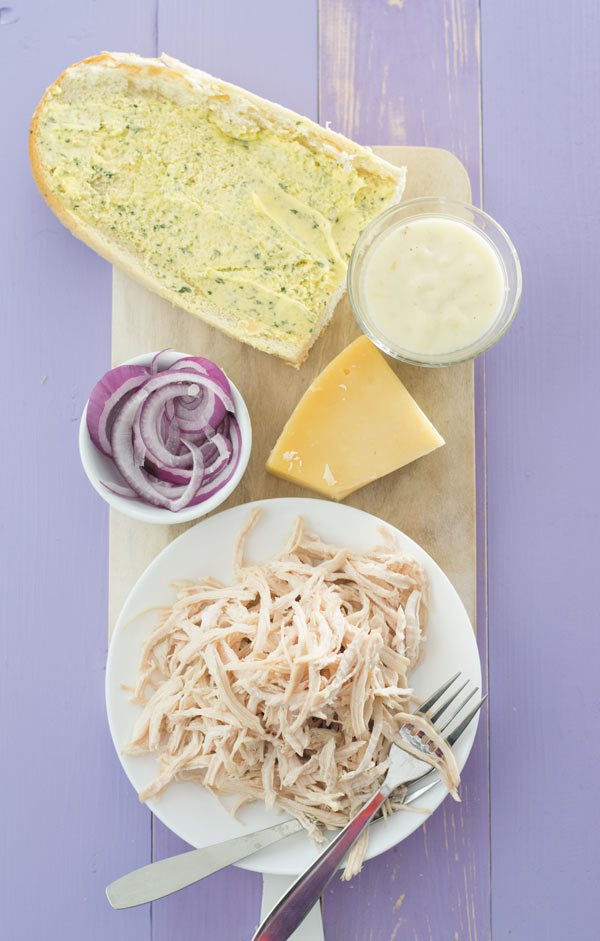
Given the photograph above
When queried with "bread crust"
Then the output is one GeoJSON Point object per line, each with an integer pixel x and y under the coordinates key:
{"type": "Point", "coordinates": [206, 87]}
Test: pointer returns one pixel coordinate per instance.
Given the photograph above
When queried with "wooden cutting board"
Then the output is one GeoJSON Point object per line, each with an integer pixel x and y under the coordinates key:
{"type": "Point", "coordinates": [432, 500]}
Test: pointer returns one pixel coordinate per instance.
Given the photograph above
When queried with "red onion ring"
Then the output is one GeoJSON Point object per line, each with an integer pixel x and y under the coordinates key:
{"type": "Point", "coordinates": [172, 434]}
{"type": "Point", "coordinates": [107, 395]}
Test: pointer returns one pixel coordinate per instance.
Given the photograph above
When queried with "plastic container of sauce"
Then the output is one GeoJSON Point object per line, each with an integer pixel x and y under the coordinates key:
{"type": "Point", "coordinates": [434, 282]}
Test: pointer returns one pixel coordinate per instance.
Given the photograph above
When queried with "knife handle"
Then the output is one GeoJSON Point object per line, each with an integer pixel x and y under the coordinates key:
{"type": "Point", "coordinates": [166, 876]}
{"type": "Point", "coordinates": [297, 902]}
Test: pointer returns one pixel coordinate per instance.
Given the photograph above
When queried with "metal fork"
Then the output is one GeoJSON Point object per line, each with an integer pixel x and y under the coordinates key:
{"type": "Point", "coordinates": [295, 905]}
{"type": "Point", "coordinates": [165, 876]}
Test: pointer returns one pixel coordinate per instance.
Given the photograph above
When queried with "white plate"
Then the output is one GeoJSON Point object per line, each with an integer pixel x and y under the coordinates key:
{"type": "Point", "coordinates": [187, 809]}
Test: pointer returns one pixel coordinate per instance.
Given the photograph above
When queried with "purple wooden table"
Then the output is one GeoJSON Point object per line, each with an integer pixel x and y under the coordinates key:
{"type": "Point", "coordinates": [512, 89]}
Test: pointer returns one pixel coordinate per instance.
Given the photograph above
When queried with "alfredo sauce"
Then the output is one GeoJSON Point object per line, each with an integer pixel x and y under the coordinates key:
{"type": "Point", "coordinates": [432, 285]}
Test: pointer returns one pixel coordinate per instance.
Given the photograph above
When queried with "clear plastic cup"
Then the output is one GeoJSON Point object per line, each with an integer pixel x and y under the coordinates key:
{"type": "Point", "coordinates": [436, 207]}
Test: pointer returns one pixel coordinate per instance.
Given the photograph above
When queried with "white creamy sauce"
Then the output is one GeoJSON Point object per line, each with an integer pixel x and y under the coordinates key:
{"type": "Point", "coordinates": [432, 285]}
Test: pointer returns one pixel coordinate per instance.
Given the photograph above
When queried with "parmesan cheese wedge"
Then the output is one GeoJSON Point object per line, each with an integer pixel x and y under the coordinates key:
{"type": "Point", "coordinates": [354, 424]}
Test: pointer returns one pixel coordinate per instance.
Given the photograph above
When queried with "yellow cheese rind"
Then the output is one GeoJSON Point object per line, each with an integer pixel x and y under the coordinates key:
{"type": "Point", "coordinates": [355, 423]}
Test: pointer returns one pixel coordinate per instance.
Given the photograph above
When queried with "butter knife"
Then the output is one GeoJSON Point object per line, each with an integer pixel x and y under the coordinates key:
{"type": "Point", "coordinates": [166, 876]}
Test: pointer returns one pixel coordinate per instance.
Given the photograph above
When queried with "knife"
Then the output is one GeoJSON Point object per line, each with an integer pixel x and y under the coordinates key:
{"type": "Point", "coordinates": [166, 876]}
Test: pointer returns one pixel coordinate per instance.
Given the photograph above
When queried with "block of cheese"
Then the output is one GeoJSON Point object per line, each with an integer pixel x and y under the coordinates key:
{"type": "Point", "coordinates": [355, 423]}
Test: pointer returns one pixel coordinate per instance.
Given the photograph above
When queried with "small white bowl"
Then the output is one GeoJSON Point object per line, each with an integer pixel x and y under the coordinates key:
{"type": "Point", "coordinates": [99, 467]}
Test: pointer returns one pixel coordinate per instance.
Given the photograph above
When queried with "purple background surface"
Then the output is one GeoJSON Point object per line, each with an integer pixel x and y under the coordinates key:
{"type": "Point", "coordinates": [519, 857]}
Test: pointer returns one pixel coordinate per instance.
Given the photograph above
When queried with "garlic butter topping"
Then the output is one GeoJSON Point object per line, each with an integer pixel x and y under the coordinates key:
{"type": "Point", "coordinates": [242, 218]}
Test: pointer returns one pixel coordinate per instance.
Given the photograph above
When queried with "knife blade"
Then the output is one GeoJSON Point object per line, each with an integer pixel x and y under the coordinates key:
{"type": "Point", "coordinates": [169, 875]}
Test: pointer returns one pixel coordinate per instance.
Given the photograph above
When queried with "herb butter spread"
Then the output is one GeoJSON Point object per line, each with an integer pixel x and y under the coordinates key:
{"type": "Point", "coordinates": [223, 213]}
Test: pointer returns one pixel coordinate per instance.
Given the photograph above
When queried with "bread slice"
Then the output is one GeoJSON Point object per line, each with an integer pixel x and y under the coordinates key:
{"type": "Point", "coordinates": [234, 208]}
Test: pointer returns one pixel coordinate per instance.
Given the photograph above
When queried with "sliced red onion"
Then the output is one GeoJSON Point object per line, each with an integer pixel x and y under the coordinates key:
{"type": "Point", "coordinates": [195, 482]}
{"type": "Point", "coordinates": [120, 490]}
{"type": "Point", "coordinates": [139, 451]}
{"type": "Point", "coordinates": [178, 477]}
{"type": "Point", "coordinates": [154, 368]}
{"type": "Point", "coordinates": [224, 426]}
{"type": "Point", "coordinates": [123, 453]}
{"type": "Point", "coordinates": [216, 453]}
{"type": "Point", "coordinates": [173, 440]}
{"type": "Point", "coordinates": [147, 427]}
{"type": "Point", "coordinates": [206, 368]}
{"type": "Point", "coordinates": [172, 434]}
{"type": "Point", "coordinates": [171, 490]}
{"type": "Point", "coordinates": [195, 412]}
{"type": "Point", "coordinates": [147, 424]}
{"type": "Point", "coordinates": [204, 424]}
{"type": "Point", "coordinates": [196, 438]}
{"type": "Point", "coordinates": [218, 482]}
{"type": "Point", "coordinates": [106, 396]}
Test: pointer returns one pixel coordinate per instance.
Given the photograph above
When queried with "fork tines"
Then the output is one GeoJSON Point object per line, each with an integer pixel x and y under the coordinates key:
{"type": "Point", "coordinates": [427, 706]}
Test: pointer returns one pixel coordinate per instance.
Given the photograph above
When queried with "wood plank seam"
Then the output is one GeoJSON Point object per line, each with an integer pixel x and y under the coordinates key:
{"type": "Point", "coordinates": [482, 509]}
{"type": "Point", "coordinates": [157, 52]}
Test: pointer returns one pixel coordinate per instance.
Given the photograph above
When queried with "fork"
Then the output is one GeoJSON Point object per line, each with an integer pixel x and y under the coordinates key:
{"type": "Point", "coordinates": [297, 902]}
{"type": "Point", "coordinates": [164, 876]}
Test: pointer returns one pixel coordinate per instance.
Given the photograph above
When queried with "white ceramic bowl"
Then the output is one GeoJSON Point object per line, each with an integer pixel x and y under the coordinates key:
{"type": "Point", "coordinates": [99, 467]}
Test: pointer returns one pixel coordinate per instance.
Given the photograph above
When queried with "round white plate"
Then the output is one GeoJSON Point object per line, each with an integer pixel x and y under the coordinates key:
{"type": "Point", "coordinates": [186, 808]}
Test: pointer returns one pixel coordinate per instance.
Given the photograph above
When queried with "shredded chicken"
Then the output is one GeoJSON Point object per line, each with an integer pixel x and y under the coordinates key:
{"type": "Point", "coordinates": [287, 685]}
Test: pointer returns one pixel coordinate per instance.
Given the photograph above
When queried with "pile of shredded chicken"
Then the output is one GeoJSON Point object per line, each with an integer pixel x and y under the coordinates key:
{"type": "Point", "coordinates": [287, 685]}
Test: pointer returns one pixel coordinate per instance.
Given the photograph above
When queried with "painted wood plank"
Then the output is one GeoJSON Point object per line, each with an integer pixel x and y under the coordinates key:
{"type": "Point", "coordinates": [271, 48]}
{"type": "Point", "coordinates": [267, 46]}
{"type": "Point", "coordinates": [71, 822]}
{"type": "Point", "coordinates": [541, 144]}
{"type": "Point", "coordinates": [405, 72]}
